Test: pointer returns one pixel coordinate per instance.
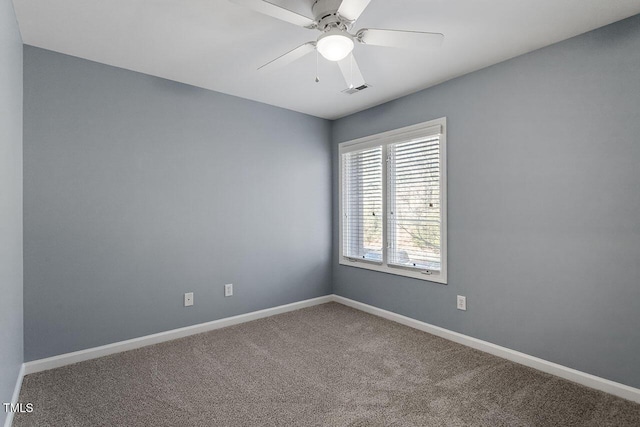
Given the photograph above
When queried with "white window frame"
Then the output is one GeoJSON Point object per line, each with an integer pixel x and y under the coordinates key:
{"type": "Point", "coordinates": [430, 128]}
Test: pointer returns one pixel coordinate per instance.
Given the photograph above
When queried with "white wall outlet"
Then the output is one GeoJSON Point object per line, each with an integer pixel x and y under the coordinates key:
{"type": "Point", "coordinates": [188, 299]}
{"type": "Point", "coordinates": [228, 290]}
{"type": "Point", "coordinates": [462, 303]}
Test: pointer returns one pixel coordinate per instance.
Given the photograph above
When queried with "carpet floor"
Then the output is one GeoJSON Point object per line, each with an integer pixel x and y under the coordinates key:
{"type": "Point", "coordinates": [327, 365]}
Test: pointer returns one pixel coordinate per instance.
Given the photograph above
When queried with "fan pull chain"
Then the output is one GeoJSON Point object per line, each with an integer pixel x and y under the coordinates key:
{"type": "Point", "coordinates": [317, 78]}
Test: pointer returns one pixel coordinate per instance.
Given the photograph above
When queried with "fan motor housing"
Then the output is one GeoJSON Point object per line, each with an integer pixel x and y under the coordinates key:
{"type": "Point", "coordinates": [326, 15]}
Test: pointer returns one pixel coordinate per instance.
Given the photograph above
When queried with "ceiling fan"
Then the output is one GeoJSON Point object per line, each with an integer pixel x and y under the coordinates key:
{"type": "Point", "coordinates": [335, 19]}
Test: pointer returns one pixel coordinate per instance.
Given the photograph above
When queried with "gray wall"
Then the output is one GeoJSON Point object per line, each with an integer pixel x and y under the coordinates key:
{"type": "Point", "coordinates": [138, 189]}
{"type": "Point", "coordinates": [10, 202]}
{"type": "Point", "coordinates": [544, 204]}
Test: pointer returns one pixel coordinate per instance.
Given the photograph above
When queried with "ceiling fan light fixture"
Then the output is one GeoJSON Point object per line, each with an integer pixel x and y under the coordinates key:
{"type": "Point", "coordinates": [334, 45]}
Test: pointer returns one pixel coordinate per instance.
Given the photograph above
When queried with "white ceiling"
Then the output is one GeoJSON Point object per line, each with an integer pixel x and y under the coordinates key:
{"type": "Point", "coordinates": [219, 45]}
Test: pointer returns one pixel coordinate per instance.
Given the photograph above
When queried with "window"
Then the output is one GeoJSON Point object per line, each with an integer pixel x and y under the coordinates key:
{"type": "Point", "coordinates": [393, 207]}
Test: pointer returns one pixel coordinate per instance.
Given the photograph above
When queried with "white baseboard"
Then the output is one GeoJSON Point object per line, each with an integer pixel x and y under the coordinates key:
{"type": "Point", "coordinates": [117, 347]}
{"type": "Point", "coordinates": [16, 394]}
{"type": "Point", "coordinates": [612, 387]}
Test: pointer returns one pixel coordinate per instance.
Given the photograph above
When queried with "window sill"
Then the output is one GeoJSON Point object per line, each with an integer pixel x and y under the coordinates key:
{"type": "Point", "coordinates": [436, 277]}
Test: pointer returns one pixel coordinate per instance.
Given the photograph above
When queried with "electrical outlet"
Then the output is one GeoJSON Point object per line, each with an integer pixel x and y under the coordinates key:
{"type": "Point", "coordinates": [228, 290]}
{"type": "Point", "coordinates": [462, 303]}
{"type": "Point", "coordinates": [188, 299]}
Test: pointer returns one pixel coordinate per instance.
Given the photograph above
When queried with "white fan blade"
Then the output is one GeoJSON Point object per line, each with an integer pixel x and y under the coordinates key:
{"type": "Point", "coordinates": [352, 9]}
{"type": "Point", "coordinates": [351, 72]}
{"type": "Point", "coordinates": [268, 8]}
{"type": "Point", "coordinates": [401, 39]}
{"type": "Point", "coordinates": [289, 57]}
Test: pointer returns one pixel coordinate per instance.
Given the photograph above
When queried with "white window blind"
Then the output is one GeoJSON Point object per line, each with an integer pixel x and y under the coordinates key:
{"type": "Point", "coordinates": [413, 198]}
{"type": "Point", "coordinates": [362, 205]}
{"type": "Point", "coordinates": [393, 202]}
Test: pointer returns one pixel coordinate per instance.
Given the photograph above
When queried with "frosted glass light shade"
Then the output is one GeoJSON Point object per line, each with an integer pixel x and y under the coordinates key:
{"type": "Point", "coordinates": [334, 45]}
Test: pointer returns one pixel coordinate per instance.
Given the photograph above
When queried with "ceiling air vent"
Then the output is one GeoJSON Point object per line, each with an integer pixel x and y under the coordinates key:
{"type": "Point", "coordinates": [351, 91]}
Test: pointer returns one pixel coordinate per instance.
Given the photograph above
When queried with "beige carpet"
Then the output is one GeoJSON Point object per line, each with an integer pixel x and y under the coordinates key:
{"type": "Point", "coordinates": [327, 365]}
